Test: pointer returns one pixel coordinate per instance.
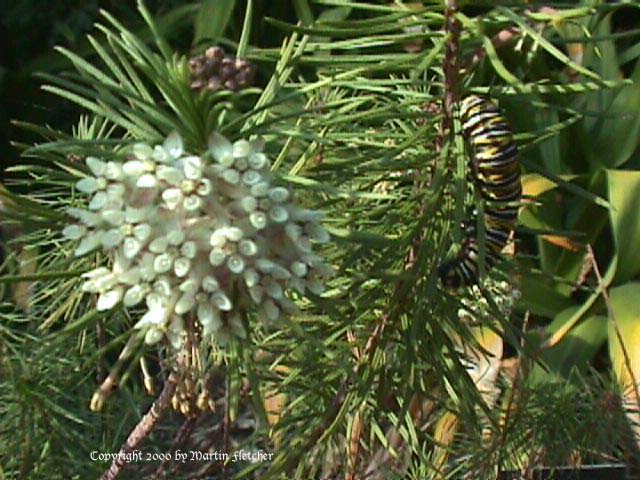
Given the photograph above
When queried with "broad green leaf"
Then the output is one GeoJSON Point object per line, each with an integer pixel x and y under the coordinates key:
{"type": "Point", "coordinates": [570, 323]}
{"type": "Point", "coordinates": [624, 348]}
{"type": "Point", "coordinates": [534, 184]}
{"type": "Point", "coordinates": [612, 129]}
{"type": "Point", "coordinates": [529, 114]}
{"type": "Point", "coordinates": [212, 19]}
{"type": "Point", "coordinates": [624, 331]}
{"type": "Point", "coordinates": [590, 220]}
{"type": "Point", "coordinates": [624, 196]}
{"type": "Point", "coordinates": [569, 186]}
{"type": "Point", "coordinates": [577, 348]}
{"type": "Point", "coordinates": [540, 296]}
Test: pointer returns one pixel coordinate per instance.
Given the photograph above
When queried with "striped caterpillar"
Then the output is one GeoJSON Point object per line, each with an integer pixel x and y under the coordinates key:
{"type": "Point", "coordinates": [495, 171]}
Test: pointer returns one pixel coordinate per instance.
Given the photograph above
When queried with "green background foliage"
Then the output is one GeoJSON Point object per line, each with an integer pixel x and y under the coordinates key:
{"type": "Point", "coordinates": [347, 97]}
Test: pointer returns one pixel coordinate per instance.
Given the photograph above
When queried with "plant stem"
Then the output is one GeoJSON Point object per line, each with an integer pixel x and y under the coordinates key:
{"type": "Point", "coordinates": [183, 434]}
{"type": "Point", "coordinates": [144, 427]}
{"type": "Point", "coordinates": [451, 70]}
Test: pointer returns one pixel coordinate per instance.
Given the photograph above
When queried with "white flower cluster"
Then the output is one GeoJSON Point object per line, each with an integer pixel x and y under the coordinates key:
{"type": "Point", "coordinates": [209, 235]}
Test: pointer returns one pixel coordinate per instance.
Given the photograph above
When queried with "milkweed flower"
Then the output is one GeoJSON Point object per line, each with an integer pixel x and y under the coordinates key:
{"type": "Point", "coordinates": [211, 237]}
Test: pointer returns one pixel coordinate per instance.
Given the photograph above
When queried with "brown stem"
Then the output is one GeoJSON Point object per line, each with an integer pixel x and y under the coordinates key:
{"type": "Point", "coordinates": [183, 434]}
{"type": "Point", "coordinates": [451, 70]}
{"type": "Point", "coordinates": [144, 427]}
{"type": "Point", "coordinates": [451, 80]}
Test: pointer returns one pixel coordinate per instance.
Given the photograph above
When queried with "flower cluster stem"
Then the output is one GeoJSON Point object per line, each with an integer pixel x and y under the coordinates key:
{"type": "Point", "coordinates": [144, 427]}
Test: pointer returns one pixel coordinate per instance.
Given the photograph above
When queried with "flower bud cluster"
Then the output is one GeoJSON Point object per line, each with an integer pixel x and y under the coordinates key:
{"type": "Point", "coordinates": [477, 308]}
{"type": "Point", "coordinates": [216, 71]}
{"type": "Point", "coordinates": [208, 237]}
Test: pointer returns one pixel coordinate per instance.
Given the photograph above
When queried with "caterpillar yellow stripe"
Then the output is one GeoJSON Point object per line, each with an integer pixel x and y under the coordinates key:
{"type": "Point", "coordinates": [495, 172]}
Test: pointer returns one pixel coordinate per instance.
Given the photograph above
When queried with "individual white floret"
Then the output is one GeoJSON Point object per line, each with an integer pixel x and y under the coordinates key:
{"type": "Point", "coordinates": [221, 149]}
{"type": "Point", "coordinates": [159, 245]}
{"type": "Point", "coordinates": [248, 248]}
{"type": "Point", "coordinates": [192, 167]}
{"type": "Point", "coordinates": [204, 187]}
{"type": "Point", "coordinates": [163, 263]}
{"type": "Point", "coordinates": [317, 232]}
{"type": "Point", "coordinates": [91, 184]}
{"type": "Point", "coordinates": [258, 161]}
{"type": "Point", "coordinates": [74, 232]}
{"type": "Point", "coordinates": [192, 203]}
{"type": "Point", "coordinates": [175, 237]}
{"type": "Point", "coordinates": [217, 256]}
{"type": "Point", "coordinates": [176, 332]}
{"type": "Point", "coordinates": [251, 177]}
{"type": "Point", "coordinates": [161, 155]}
{"type": "Point", "coordinates": [142, 151]}
{"type": "Point", "coordinates": [134, 295]}
{"type": "Point", "coordinates": [163, 286]}
{"type": "Point", "coordinates": [170, 175]}
{"type": "Point", "coordinates": [190, 285]}
{"type": "Point", "coordinates": [160, 308]}
{"type": "Point", "coordinates": [279, 194]}
{"type": "Point", "coordinates": [220, 300]}
{"type": "Point", "coordinates": [186, 302]}
{"type": "Point", "coordinates": [181, 267]}
{"type": "Point", "coordinates": [148, 180]}
{"type": "Point", "coordinates": [258, 220]}
{"type": "Point", "coordinates": [131, 246]}
{"type": "Point", "coordinates": [173, 197]}
{"type": "Point", "coordinates": [299, 269]}
{"type": "Point", "coordinates": [98, 201]}
{"type": "Point", "coordinates": [89, 243]}
{"type": "Point", "coordinates": [113, 217]}
{"type": "Point", "coordinates": [235, 264]}
{"type": "Point", "coordinates": [278, 214]}
{"type": "Point", "coordinates": [257, 293]}
{"type": "Point", "coordinates": [210, 284]}
{"type": "Point", "coordinates": [189, 249]}
{"type": "Point", "coordinates": [173, 145]}
{"type": "Point", "coordinates": [208, 317]}
{"type": "Point", "coordinates": [114, 171]}
{"type": "Point", "coordinates": [97, 166]}
{"type": "Point", "coordinates": [111, 238]}
{"type": "Point", "coordinates": [137, 168]}
{"type": "Point", "coordinates": [153, 336]}
{"type": "Point", "coordinates": [251, 277]}
{"type": "Point", "coordinates": [260, 189]}
{"type": "Point", "coordinates": [109, 299]}
{"type": "Point", "coordinates": [142, 232]}
{"type": "Point", "coordinates": [241, 149]}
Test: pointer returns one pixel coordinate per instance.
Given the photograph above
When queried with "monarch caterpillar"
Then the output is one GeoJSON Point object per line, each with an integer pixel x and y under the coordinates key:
{"type": "Point", "coordinates": [495, 171]}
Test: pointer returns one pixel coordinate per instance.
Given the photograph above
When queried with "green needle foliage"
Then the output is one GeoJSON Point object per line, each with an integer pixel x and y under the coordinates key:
{"type": "Point", "coordinates": [379, 374]}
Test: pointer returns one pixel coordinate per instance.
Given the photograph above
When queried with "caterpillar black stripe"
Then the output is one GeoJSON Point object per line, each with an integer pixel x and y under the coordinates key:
{"type": "Point", "coordinates": [495, 172]}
